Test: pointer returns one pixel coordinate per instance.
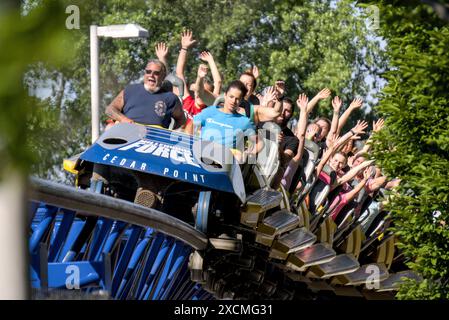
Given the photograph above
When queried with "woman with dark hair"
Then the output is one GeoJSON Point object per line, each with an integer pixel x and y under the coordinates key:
{"type": "Point", "coordinates": [258, 111]}
{"type": "Point", "coordinates": [224, 125]}
{"type": "Point", "coordinates": [250, 82]}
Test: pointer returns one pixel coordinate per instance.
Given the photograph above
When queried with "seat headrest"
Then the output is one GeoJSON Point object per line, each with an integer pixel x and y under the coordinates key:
{"type": "Point", "coordinates": [312, 147]}
{"type": "Point", "coordinates": [330, 172]}
{"type": "Point", "coordinates": [166, 86]}
{"type": "Point", "coordinates": [219, 99]}
{"type": "Point", "coordinates": [174, 80]}
{"type": "Point", "coordinates": [271, 126]}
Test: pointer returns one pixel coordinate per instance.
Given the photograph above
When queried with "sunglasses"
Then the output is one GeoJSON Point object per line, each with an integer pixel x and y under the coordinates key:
{"type": "Point", "coordinates": [155, 72]}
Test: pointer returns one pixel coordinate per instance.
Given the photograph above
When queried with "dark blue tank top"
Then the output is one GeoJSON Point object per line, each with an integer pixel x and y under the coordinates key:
{"type": "Point", "coordinates": [148, 108]}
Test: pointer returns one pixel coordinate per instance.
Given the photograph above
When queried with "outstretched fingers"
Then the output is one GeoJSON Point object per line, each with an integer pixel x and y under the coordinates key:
{"type": "Point", "coordinates": [356, 103]}
{"type": "Point", "coordinates": [378, 125]}
{"type": "Point", "coordinates": [161, 49]}
{"type": "Point", "coordinates": [205, 56]}
{"type": "Point", "coordinates": [187, 39]}
{"type": "Point", "coordinates": [270, 95]}
{"type": "Point", "coordinates": [336, 103]}
{"type": "Point", "coordinates": [256, 72]}
{"type": "Point", "coordinates": [302, 101]}
{"type": "Point", "coordinates": [323, 94]}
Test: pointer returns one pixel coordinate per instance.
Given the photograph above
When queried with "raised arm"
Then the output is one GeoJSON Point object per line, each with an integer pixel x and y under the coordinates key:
{"type": "Point", "coordinates": [355, 104]}
{"type": "Point", "coordinates": [377, 183]}
{"type": "Point", "coordinates": [332, 147]}
{"type": "Point", "coordinates": [187, 42]}
{"type": "Point", "coordinates": [358, 130]}
{"type": "Point", "coordinates": [336, 105]}
{"type": "Point", "coordinates": [353, 172]}
{"type": "Point", "coordinates": [255, 72]}
{"type": "Point", "coordinates": [115, 108]}
{"type": "Point", "coordinates": [353, 193]}
{"type": "Point", "coordinates": [199, 85]}
{"type": "Point", "coordinates": [334, 144]}
{"type": "Point", "coordinates": [265, 112]}
{"type": "Point", "coordinates": [162, 53]}
{"type": "Point", "coordinates": [323, 94]}
{"type": "Point", "coordinates": [302, 125]}
{"type": "Point", "coordinates": [377, 126]}
{"type": "Point", "coordinates": [207, 56]}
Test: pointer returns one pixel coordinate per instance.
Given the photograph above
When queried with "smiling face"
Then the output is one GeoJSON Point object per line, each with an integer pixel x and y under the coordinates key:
{"type": "Point", "coordinates": [285, 116]}
{"type": "Point", "coordinates": [232, 100]}
{"type": "Point", "coordinates": [337, 163]}
{"type": "Point", "coordinates": [358, 161]}
{"type": "Point", "coordinates": [153, 76]}
{"type": "Point", "coordinates": [348, 147]}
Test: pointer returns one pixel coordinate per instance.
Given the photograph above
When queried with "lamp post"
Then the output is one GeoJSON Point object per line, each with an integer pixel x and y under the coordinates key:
{"type": "Point", "coordinates": [112, 31]}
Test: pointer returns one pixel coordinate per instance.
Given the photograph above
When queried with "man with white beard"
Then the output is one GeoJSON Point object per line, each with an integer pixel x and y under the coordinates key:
{"type": "Point", "coordinates": [146, 103]}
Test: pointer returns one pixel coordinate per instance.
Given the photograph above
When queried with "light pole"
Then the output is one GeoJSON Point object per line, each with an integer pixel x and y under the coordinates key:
{"type": "Point", "coordinates": [112, 31]}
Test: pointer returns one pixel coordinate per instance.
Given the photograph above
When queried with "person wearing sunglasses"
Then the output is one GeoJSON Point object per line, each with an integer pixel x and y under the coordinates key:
{"type": "Point", "coordinates": [145, 103]}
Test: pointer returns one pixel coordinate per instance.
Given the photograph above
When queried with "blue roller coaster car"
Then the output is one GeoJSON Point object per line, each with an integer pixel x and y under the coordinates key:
{"type": "Point", "coordinates": [190, 178]}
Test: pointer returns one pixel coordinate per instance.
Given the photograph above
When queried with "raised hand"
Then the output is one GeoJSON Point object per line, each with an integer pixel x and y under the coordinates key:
{"type": "Point", "coordinates": [360, 127]}
{"type": "Point", "coordinates": [336, 104]}
{"type": "Point", "coordinates": [187, 40]}
{"type": "Point", "coordinates": [394, 183]}
{"type": "Point", "coordinates": [280, 88]}
{"type": "Point", "coordinates": [206, 56]}
{"type": "Point", "coordinates": [312, 131]}
{"type": "Point", "coordinates": [255, 72]}
{"type": "Point", "coordinates": [302, 102]}
{"type": "Point", "coordinates": [351, 161]}
{"type": "Point", "coordinates": [202, 70]}
{"type": "Point", "coordinates": [356, 103]}
{"type": "Point", "coordinates": [378, 125]}
{"type": "Point", "coordinates": [333, 140]}
{"type": "Point", "coordinates": [367, 173]}
{"type": "Point", "coordinates": [161, 50]}
{"type": "Point", "coordinates": [270, 95]}
{"type": "Point", "coordinates": [323, 94]}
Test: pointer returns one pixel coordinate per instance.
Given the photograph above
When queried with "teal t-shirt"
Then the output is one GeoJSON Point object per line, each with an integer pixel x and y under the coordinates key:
{"type": "Point", "coordinates": [228, 129]}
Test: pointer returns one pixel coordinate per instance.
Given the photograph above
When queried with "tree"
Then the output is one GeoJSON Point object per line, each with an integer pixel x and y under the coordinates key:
{"type": "Point", "coordinates": [35, 36]}
{"type": "Point", "coordinates": [415, 146]}
{"type": "Point", "coordinates": [312, 44]}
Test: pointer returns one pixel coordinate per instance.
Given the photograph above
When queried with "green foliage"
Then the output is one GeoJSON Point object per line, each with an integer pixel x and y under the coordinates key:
{"type": "Point", "coordinates": [24, 40]}
{"type": "Point", "coordinates": [415, 104]}
{"type": "Point", "coordinates": [312, 44]}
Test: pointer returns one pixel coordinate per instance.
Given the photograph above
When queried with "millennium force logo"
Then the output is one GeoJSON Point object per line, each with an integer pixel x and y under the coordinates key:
{"type": "Point", "coordinates": [160, 108]}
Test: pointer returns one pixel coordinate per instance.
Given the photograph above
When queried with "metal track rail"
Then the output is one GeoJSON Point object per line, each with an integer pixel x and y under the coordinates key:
{"type": "Point", "coordinates": [100, 205]}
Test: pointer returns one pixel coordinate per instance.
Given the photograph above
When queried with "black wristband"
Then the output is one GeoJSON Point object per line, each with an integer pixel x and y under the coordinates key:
{"type": "Point", "coordinates": [184, 49]}
{"type": "Point", "coordinates": [353, 133]}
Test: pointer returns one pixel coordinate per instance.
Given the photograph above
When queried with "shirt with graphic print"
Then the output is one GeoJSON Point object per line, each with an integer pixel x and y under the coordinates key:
{"type": "Point", "coordinates": [149, 108]}
{"type": "Point", "coordinates": [228, 129]}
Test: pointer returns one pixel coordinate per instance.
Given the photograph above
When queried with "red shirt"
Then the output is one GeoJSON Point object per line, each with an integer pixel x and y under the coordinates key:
{"type": "Point", "coordinates": [188, 104]}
